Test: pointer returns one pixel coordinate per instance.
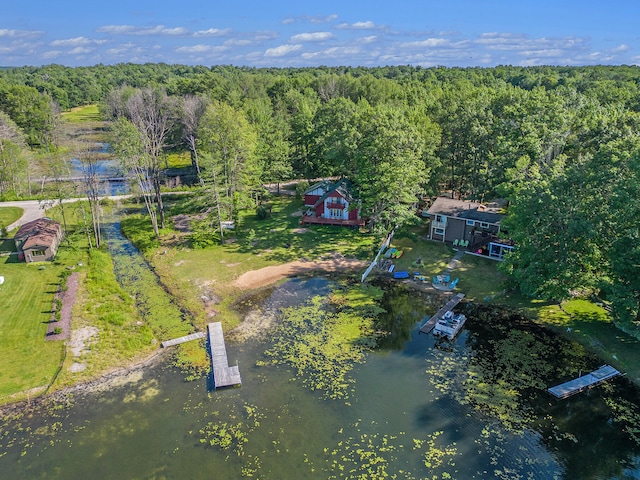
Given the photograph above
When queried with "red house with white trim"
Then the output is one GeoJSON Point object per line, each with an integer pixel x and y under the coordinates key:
{"type": "Point", "coordinates": [332, 203]}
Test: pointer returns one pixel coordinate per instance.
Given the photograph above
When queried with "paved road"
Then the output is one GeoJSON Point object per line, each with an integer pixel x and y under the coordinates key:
{"type": "Point", "coordinates": [32, 210]}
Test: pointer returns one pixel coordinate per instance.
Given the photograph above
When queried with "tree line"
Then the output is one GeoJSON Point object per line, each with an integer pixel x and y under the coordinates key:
{"type": "Point", "coordinates": [560, 144]}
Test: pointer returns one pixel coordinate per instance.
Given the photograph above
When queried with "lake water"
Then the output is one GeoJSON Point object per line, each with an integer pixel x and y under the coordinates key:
{"type": "Point", "coordinates": [420, 409]}
{"type": "Point", "coordinates": [105, 168]}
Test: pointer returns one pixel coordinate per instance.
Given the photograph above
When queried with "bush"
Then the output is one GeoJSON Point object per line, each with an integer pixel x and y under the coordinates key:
{"type": "Point", "coordinates": [202, 235]}
{"type": "Point", "coordinates": [57, 331]}
{"type": "Point", "coordinates": [301, 187]}
{"type": "Point", "coordinates": [263, 211]}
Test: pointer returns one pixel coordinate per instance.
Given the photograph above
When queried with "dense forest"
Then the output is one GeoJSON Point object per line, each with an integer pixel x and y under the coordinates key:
{"type": "Point", "coordinates": [560, 144]}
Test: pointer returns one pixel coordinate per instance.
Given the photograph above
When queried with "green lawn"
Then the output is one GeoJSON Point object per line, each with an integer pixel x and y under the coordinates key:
{"type": "Point", "coordinates": [8, 215]}
{"type": "Point", "coordinates": [27, 361]}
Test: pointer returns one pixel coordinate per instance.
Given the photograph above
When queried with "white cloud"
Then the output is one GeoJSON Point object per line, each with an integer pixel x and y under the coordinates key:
{"type": "Point", "coordinates": [213, 32]}
{"type": "Point", "coordinates": [140, 31]}
{"type": "Point", "coordinates": [239, 42]}
{"type": "Point", "coordinates": [80, 50]}
{"type": "Point", "coordinates": [51, 54]}
{"type": "Point", "coordinates": [317, 19]}
{"type": "Point", "coordinates": [312, 37]}
{"type": "Point", "coordinates": [8, 33]}
{"type": "Point", "coordinates": [202, 49]}
{"type": "Point", "coordinates": [620, 48]}
{"type": "Point", "coordinates": [428, 43]}
{"type": "Point", "coordinates": [368, 25]}
{"type": "Point", "coordinates": [282, 50]}
{"type": "Point", "coordinates": [369, 39]}
{"type": "Point", "coordinates": [76, 42]}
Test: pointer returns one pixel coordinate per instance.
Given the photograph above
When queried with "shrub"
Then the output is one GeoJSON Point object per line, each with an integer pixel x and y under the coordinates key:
{"type": "Point", "coordinates": [57, 331]}
{"type": "Point", "coordinates": [263, 211]}
{"type": "Point", "coordinates": [202, 235]}
{"type": "Point", "coordinates": [301, 187]}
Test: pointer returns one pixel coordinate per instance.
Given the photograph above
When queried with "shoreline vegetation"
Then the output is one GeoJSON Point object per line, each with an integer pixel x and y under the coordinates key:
{"type": "Point", "coordinates": [210, 282]}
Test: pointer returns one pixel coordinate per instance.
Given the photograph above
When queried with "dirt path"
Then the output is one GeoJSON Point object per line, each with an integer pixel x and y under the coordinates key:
{"type": "Point", "coordinates": [267, 275]}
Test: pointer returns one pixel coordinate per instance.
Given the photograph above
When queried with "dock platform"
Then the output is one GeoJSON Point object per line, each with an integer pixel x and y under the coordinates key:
{"type": "Point", "coordinates": [583, 382]}
{"type": "Point", "coordinates": [450, 305]}
{"type": "Point", "coordinates": [186, 338]}
{"type": "Point", "coordinates": [223, 374]}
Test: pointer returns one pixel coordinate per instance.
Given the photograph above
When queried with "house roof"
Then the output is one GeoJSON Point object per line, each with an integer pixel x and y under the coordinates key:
{"type": "Point", "coordinates": [342, 186]}
{"type": "Point", "coordinates": [324, 184]}
{"type": "Point", "coordinates": [465, 210]}
{"type": "Point", "coordinates": [40, 232]}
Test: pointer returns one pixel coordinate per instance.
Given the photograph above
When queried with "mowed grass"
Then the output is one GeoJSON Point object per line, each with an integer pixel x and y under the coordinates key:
{"type": "Point", "coordinates": [8, 215]}
{"type": "Point", "coordinates": [256, 243]}
{"type": "Point", "coordinates": [87, 113]}
{"type": "Point", "coordinates": [27, 361]}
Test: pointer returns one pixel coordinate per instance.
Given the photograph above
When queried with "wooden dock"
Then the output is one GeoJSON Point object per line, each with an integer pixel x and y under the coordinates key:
{"type": "Point", "coordinates": [450, 305]}
{"type": "Point", "coordinates": [583, 382]}
{"type": "Point", "coordinates": [223, 374]}
{"type": "Point", "coordinates": [186, 338]}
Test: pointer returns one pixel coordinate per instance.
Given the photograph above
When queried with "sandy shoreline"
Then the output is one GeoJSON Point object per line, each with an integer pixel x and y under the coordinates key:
{"type": "Point", "coordinates": [268, 275]}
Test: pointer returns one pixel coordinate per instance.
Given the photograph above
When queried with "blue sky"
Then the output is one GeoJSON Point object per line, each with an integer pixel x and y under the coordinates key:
{"type": "Point", "coordinates": [281, 33]}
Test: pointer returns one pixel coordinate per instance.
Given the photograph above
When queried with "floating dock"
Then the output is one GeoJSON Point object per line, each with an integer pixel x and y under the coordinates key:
{"type": "Point", "coordinates": [449, 325]}
{"type": "Point", "coordinates": [223, 374]}
{"type": "Point", "coordinates": [450, 305]}
{"type": "Point", "coordinates": [186, 338]}
{"type": "Point", "coordinates": [580, 384]}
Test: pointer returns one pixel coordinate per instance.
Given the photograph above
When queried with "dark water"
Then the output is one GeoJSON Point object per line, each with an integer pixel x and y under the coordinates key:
{"type": "Point", "coordinates": [410, 415]}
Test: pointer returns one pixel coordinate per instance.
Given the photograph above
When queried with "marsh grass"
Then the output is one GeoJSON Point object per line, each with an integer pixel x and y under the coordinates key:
{"type": "Point", "coordinates": [103, 304]}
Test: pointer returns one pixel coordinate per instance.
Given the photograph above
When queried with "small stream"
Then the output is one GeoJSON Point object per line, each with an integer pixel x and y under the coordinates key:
{"type": "Point", "coordinates": [420, 408]}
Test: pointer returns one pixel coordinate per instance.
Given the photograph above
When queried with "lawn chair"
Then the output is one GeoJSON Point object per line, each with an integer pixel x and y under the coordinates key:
{"type": "Point", "coordinates": [435, 280]}
{"type": "Point", "coordinates": [454, 283]}
{"type": "Point", "coordinates": [455, 242]}
{"type": "Point", "coordinates": [447, 278]}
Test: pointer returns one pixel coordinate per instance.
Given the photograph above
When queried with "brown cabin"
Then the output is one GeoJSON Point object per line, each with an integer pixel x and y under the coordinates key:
{"type": "Point", "coordinates": [38, 240]}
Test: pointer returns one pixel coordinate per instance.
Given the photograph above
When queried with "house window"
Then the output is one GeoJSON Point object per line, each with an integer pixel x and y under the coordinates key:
{"type": "Point", "coordinates": [39, 253]}
{"type": "Point", "coordinates": [484, 225]}
{"type": "Point", "coordinates": [471, 223]}
{"type": "Point", "coordinates": [439, 218]}
{"type": "Point", "coordinates": [335, 213]}
{"type": "Point", "coordinates": [438, 231]}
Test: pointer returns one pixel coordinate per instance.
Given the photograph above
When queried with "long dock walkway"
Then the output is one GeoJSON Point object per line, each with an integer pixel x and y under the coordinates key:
{"type": "Point", "coordinates": [223, 374]}
{"type": "Point", "coordinates": [186, 338]}
{"type": "Point", "coordinates": [579, 384]}
{"type": "Point", "coordinates": [450, 305]}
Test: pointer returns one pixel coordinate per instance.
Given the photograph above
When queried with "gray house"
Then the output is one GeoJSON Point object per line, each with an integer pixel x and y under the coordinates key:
{"type": "Point", "coordinates": [468, 225]}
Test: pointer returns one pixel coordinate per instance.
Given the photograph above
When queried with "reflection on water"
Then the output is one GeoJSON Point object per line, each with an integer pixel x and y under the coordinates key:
{"type": "Point", "coordinates": [417, 412]}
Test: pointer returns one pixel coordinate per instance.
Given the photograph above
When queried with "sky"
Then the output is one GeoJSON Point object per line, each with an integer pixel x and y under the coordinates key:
{"type": "Point", "coordinates": [278, 33]}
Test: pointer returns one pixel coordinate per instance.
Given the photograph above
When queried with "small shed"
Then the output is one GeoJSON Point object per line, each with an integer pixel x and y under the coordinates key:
{"type": "Point", "coordinates": [38, 240]}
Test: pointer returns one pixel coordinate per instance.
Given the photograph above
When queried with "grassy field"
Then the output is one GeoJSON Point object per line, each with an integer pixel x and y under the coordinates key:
{"type": "Point", "coordinates": [27, 361]}
{"type": "Point", "coordinates": [8, 215]}
{"type": "Point", "coordinates": [190, 273]}
{"type": "Point", "coordinates": [88, 113]}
